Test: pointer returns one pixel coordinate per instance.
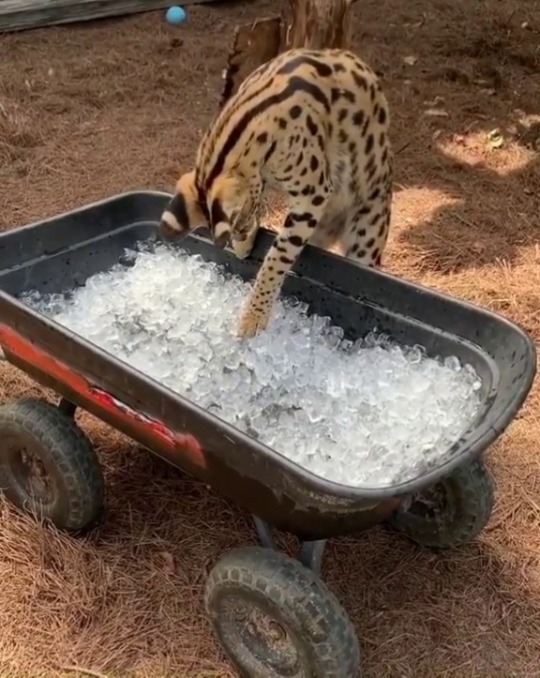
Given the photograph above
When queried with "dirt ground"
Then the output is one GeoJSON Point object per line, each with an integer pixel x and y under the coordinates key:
{"type": "Point", "coordinates": [89, 111]}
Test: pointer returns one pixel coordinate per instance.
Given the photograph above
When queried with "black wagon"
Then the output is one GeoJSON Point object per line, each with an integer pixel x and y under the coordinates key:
{"type": "Point", "coordinates": [272, 613]}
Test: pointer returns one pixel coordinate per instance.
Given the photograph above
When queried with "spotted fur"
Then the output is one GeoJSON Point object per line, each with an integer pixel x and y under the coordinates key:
{"type": "Point", "coordinates": [314, 124]}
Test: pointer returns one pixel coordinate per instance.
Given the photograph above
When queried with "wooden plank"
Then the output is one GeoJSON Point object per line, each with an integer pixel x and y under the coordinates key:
{"type": "Point", "coordinates": [17, 15]}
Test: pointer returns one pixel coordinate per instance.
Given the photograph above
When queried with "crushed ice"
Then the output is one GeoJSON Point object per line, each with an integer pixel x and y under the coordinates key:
{"type": "Point", "coordinates": [369, 414]}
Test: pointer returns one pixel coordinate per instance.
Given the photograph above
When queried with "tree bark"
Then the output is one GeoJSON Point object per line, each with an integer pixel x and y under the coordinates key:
{"type": "Point", "coordinates": [315, 24]}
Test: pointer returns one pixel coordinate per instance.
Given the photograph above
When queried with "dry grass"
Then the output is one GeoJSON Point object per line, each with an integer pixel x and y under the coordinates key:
{"type": "Point", "coordinates": [89, 111]}
{"type": "Point", "coordinates": [18, 133]}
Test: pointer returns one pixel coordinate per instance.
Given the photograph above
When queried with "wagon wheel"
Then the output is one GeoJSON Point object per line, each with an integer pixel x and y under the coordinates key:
{"type": "Point", "coordinates": [47, 465]}
{"type": "Point", "coordinates": [452, 512]}
{"type": "Point", "coordinates": [274, 617]}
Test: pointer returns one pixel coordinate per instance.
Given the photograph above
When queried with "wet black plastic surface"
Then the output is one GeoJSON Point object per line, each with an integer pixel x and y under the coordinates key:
{"type": "Point", "coordinates": [58, 254]}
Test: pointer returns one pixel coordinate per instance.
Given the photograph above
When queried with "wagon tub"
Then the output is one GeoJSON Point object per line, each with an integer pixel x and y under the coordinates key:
{"type": "Point", "coordinates": [272, 613]}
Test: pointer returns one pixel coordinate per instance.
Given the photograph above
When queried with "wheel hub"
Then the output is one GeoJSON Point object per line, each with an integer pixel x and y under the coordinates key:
{"type": "Point", "coordinates": [263, 625]}
{"type": "Point", "coordinates": [32, 474]}
{"type": "Point", "coordinates": [263, 636]}
{"type": "Point", "coordinates": [430, 503]}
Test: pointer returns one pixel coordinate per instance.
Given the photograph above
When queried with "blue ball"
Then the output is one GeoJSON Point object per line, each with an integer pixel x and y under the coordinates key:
{"type": "Point", "coordinates": [176, 15]}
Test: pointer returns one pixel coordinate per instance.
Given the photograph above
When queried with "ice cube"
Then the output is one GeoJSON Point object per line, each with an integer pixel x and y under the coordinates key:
{"type": "Point", "coordinates": [367, 413]}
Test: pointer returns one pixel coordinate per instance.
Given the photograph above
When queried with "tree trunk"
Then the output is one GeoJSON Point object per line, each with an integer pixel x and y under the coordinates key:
{"type": "Point", "coordinates": [315, 24]}
{"type": "Point", "coordinates": [252, 45]}
{"type": "Point", "coordinates": [319, 24]}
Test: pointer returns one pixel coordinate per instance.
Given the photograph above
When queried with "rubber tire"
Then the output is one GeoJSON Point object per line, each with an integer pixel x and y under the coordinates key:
{"type": "Point", "coordinates": [318, 627]}
{"type": "Point", "coordinates": [468, 492]}
{"type": "Point", "coordinates": [71, 464]}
